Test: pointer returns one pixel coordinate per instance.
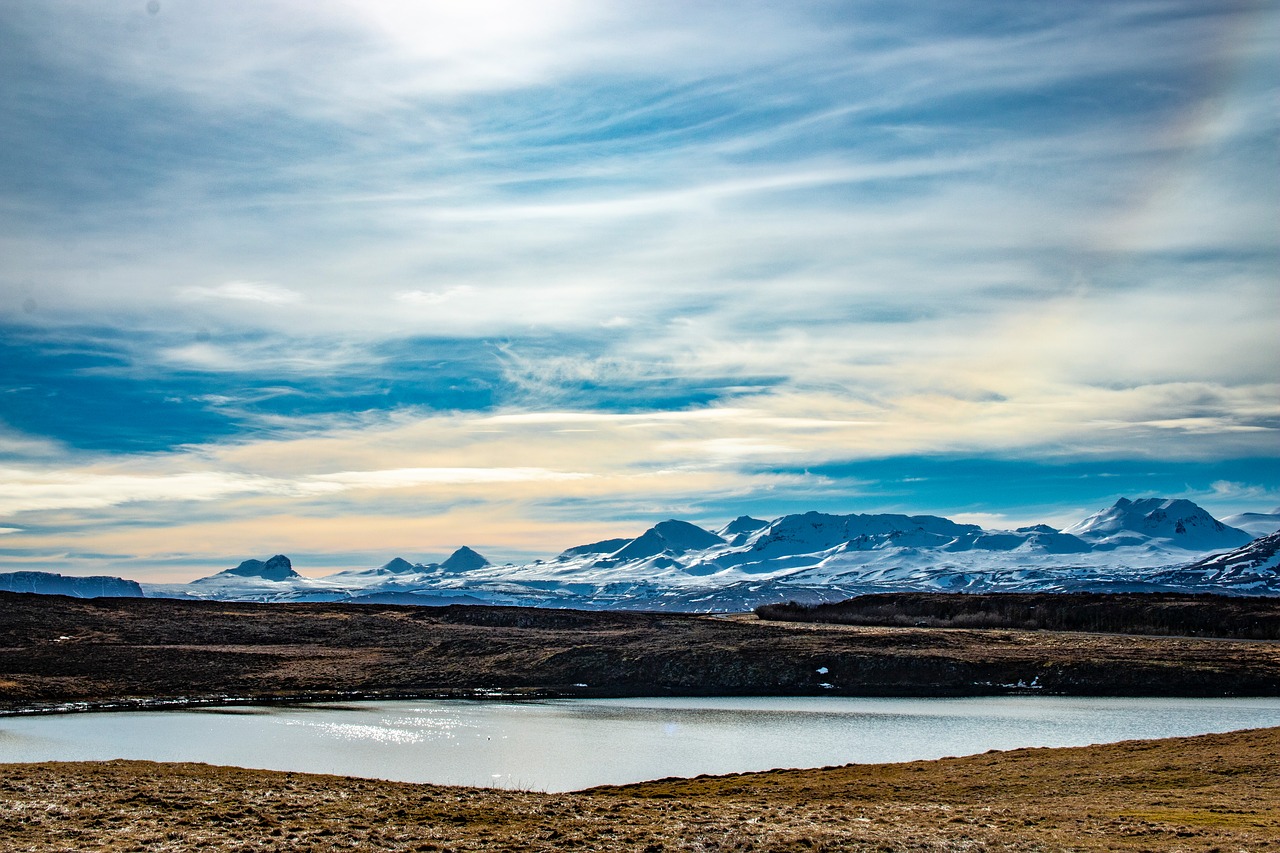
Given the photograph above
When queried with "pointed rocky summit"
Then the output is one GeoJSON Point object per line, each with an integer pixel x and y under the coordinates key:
{"type": "Point", "coordinates": [399, 566]}
{"type": "Point", "coordinates": [738, 531]}
{"type": "Point", "coordinates": [742, 524]}
{"type": "Point", "coordinates": [464, 560]}
{"type": "Point", "coordinates": [668, 537]}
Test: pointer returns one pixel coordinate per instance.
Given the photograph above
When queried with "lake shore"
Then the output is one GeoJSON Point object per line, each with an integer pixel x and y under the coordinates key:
{"type": "Point", "coordinates": [1213, 792]}
{"type": "Point", "coordinates": [60, 654]}
{"type": "Point", "coordinates": [65, 654]}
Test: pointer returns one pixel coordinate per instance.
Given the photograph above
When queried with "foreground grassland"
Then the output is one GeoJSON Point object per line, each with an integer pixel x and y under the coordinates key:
{"type": "Point", "coordinates": [56, 650]}
{"type": "Point", "coordinates": [1217, 792]}
{"type": "Point", "coordinates": [1209, 793]}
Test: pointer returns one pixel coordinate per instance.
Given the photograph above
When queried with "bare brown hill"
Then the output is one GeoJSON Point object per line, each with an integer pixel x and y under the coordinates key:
{"type": "Point", "coordinates": [57, 650]}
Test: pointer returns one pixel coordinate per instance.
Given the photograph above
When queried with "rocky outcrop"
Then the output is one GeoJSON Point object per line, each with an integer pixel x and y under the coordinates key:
{"type": "Point", "coordinates": [49, 583]}
{"type": "Point", "coordinates": [278, 568]}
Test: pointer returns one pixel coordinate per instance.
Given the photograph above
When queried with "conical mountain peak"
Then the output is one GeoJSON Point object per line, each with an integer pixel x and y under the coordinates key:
{"type": "Point", "coordinates": [464, 560]}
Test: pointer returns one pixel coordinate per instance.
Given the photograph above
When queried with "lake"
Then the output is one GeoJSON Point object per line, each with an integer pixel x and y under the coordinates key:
{"type": "Point", "coordinates": [569, 744]}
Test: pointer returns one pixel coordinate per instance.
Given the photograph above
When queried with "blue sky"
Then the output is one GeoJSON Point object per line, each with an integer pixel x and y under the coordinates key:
{"type": "Point", "coordinates": [356, 280]}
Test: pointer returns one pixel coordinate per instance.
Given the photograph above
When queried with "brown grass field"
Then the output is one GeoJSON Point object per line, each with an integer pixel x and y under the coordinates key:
{"type": "Point", "coordinates": [57, 650]}
{"type": "Point", "coordinates": [1209, 793]}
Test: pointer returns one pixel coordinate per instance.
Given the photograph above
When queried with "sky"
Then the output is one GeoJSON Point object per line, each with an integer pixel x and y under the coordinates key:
{"type": "Point", "coordinates": [356, 280]}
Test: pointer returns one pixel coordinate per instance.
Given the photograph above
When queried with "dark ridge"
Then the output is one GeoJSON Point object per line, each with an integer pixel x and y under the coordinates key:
{"type": "Point", "coordinates": [1158, 613]}
{"type": "Point", "coordinates": [60, 653]}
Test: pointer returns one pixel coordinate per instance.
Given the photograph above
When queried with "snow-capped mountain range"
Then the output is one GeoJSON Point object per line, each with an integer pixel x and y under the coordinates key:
{"type": "Point", "coordinates": [1150, 544]}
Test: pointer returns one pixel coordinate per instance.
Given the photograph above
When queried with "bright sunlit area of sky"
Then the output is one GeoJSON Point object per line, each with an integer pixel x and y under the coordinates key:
{"type": "Point", "coordinates": [351, 280]}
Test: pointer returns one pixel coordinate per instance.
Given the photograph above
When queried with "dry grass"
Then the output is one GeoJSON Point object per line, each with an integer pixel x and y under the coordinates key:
{"type": "Point", "coordinates": [146, 649]}
{"type": "Point", "coordinates": [1216, 792]}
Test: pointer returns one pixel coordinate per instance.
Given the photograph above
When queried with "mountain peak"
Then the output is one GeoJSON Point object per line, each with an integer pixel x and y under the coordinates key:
{"type": "Point", "coordinates": [742, 528]}
{"type": "Point", "coordinates": [1037, 528]}
{"type": "Point", "coordinates": [1178, 521]}
{"type": "Point", "coordinates": [680, 532]}
{"type": "Point", "coordinates": [742, 524]}
{"type": "Point", "coordinates": [464, 560]}
{"type": "Point", "coordinates": [278, 568]}
{"type": "Point", "coordinates": [398, 566]}
{"type": "Point", "coordinates": [671, 536]}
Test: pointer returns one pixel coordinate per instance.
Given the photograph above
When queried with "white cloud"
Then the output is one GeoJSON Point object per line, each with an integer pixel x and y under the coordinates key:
{"type": "Point", "coordinates": [731, 448]}
{"type": "Point", "coordinates": [408, 477]}
{"type": "Point", "coordinates": [28, 490]}
{"type": "Point", "coordinates": [17, 445]}
{"type": "Point", "coordinates": [32, 491]}
{"type": "Point", "coordinates": [475, 46]}
{"type": "Point", "coordinates": [258, 354]}
{"type": "Point", "coordinates": [502, 219]}
{"type": "Point", "coordinates": [433, 297]}
{"type": "Point", "coordinates": [624, 419]}
{"type": "Point", "coordinates": [245, 291]}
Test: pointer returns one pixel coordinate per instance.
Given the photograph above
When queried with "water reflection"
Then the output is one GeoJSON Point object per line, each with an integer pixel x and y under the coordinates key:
{"type": "Point", "coordinates": [568, 744]}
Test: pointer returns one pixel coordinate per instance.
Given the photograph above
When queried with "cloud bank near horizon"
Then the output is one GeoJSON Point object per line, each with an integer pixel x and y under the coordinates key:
{"type": "Point", "coordinates": [592, 263]}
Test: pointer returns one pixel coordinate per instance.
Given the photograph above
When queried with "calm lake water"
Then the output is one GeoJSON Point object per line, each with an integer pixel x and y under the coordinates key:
{"type": "Point", "coordinates": [568, 744]}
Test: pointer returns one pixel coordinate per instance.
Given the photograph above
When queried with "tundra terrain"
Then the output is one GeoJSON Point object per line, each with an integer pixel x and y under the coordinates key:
{"type": "Point", "coordinates": [1211, 793]}
{"type": "Point", "coordinates": [57, 652]}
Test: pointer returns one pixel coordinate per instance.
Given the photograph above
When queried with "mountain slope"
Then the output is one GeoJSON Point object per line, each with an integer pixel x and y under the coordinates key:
{"type": "Point", "coordinates": [1253, 568]}
{"type": "Point", "coordinates": [1179, 523]}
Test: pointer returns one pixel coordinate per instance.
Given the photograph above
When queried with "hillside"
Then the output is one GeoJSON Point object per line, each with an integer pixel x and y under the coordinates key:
{"type": "Point", "coordinates": [56, 650]}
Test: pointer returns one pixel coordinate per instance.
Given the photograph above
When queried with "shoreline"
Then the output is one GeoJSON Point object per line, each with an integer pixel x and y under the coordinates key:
{"type": "Point", "coordinates": [67, 656]}
{"type": "Point", "coordinates": [323, 698]}
{"type": "Point", "coordinates": [1206, 792]}
{"type": "Point", "coordinates": [127, 705]}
